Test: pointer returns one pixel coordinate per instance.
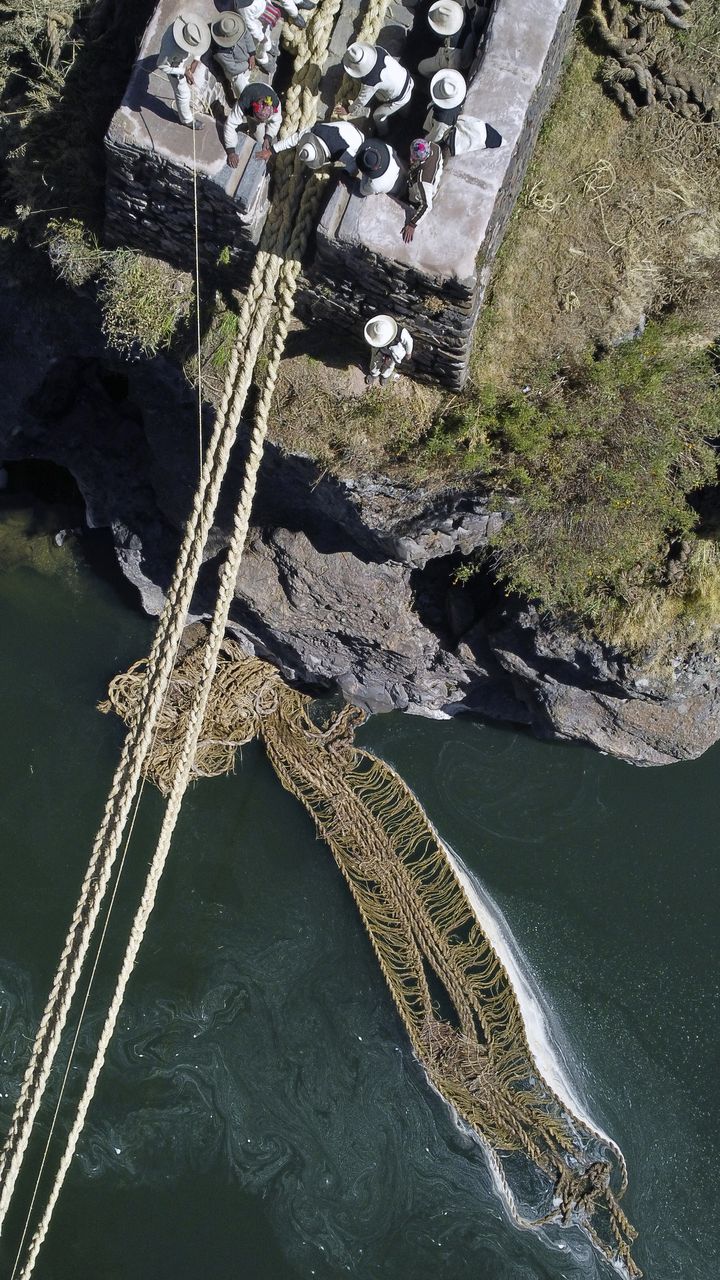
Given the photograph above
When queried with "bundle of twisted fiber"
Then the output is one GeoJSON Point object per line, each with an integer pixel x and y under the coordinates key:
{"type": "Point", "coordinates": [636, 73]}
{"type": "Point", "coordinates": [421, 925]}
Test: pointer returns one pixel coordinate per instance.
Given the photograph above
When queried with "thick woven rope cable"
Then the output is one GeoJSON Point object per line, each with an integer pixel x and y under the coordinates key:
{"type": "Point", "coordinates": [282, 261]}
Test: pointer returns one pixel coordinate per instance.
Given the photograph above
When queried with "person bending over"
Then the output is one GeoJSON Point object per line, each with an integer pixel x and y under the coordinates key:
{"type": "Point", "coordinates": [424, 175]}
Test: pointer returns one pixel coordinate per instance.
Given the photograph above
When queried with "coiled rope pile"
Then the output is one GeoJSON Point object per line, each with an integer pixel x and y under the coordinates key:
{"type": "Point", "coordinates": [453, 993]}
{"type": "Point", "coordinates": [273, 284]}
{"type": "Point", "coordinates": [638, 74]}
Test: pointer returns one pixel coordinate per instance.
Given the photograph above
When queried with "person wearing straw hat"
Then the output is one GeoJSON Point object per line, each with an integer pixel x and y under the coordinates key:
{"type": "Point", "coordinates": [447, 94]}
{"type": "Point", "coordinates": [258, 108]}
{"type": "Point", "coordinates": [424, 174]}
{"type": "Point", "coordinates": [447, 124]}
{"type": "Point", "coordinates": [235, 50]}
{"type": "Point", "coordinates": [194, 86]}
{"type": "Point", "coordinates": [380, 169]}
{"type": "Point", "coordinates": [327, 143]}
{"type": "Point", "coordinates": [390, 346]}
{"type": "Point", "coordinates": [381, 77]}
{"type": "Point", "coordinates": [448, 21]}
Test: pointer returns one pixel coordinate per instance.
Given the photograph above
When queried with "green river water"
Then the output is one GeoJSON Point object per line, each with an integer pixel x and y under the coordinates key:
{"type": "Point", "coordinates": [261, 1115]}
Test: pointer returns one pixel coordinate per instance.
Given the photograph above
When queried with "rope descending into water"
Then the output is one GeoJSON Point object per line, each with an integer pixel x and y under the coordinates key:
{"type": "Point", "coordinates": [452, 991]}
{"type": "Point", "coordinates": [273, 284]}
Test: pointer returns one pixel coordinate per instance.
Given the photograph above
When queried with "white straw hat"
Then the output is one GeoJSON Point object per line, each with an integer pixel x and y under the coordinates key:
{"type": "Point", "coordinates": [359, 59]}
{"type": "Point", "coordinates": [192, 34]}
{"type": "Point", "coordinates": [312, 152]}
{"type": "Point", "coordinates": [380, 331]}
{"type": "Point", "coordinates": [446, 17]}
{"type": "Point", "coordinates": [228, 29]}
{"type": "Point", "coordinates": [447, 88]}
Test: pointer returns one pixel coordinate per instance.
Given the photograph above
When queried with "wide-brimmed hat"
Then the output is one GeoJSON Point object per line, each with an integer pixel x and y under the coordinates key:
{"type": "Point", "coordinates": [446, 17]}
{"type": "Point", "coordinates": [228, 29]}
{"type": "Point", "coordinates": [447, 88]}
{"type": "Point", "coordinates": [380, 331]}
{"type": "Point", "coordinates": [373, 157]}
{"type": "Point", "coordinates": [311, 151]}
{"type": "Point", "coordinates": [192, 33]}
{"type": "Point", "coordinates": [359, 59]}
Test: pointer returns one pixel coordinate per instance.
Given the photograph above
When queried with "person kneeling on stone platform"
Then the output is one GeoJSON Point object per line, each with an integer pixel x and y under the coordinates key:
{"type": "Point", "coordinates": [380, 77]}
{"type": "Point", "coordinates": [258, 107]}
{"type": "Point", "coordinates": [326, 143]}
{"type": "Point", "coordinates": [380, 169]}
{"type": "Point", "coordinates": [235, 50]}
{"type": "Point", "coordinates": [194, 86]}
{"type": "Point", "coordinates": [445, 122]}
{"type": "Point", "coordinates": [390, 346]}
{"type": "Point", "coordinates": [424, 174]}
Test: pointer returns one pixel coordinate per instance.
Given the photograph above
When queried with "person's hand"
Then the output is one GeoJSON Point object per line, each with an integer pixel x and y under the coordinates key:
{"type": "Point", "coordinates": [196, 125]}
{"type": "Point", "coordinates": [340, 110]}
{"type": "Point", "coordinates": [252, 62]}
{"type": "Point", "coordinates": [408, 232]}
{"type": "Point", "coordinates": [233, 159]}
{"type": "Point", "coordinates": [190, 71]}
{"type": "Point", "coordinates": [264, 152]}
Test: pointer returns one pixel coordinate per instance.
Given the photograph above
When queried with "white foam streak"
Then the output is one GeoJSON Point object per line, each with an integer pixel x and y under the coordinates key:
{"type": "Point", "coordinates": [545, 1046]}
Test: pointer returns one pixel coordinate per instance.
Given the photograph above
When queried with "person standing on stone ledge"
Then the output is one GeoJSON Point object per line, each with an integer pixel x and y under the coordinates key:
{"type": "Point", "coordinates": [194, 86]}
{"type": "Point", "coordinates": [262, 16]}
{"type": "Point", "coordinates": [390, 346]}
{"type": "Point", "coordinates": [424, 174]}
{"type": "Point", "coordinates": [334, 142]}
{"type": "Point", "coordinates": [380, 169]}
{"type": "Point", "coordinates": [235, 50]}
{"type": "Point", "coordinates": [449, 22]}
{"type": "Point", "coordinates": [380, 77]}
{"type": "Point", "coordinates": [258, 107]}
{"type": "Point", "coordinates": [447, 124]}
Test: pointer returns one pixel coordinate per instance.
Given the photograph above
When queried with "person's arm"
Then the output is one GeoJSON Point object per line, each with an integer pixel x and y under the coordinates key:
{"type": "Point", "coordinates": [287, 143]}
{"type": "Point", "coordinates": [437, 130]}
{"type": "Point", "coordinates": [407, 343]}
{"type": "Point", "coordinates": [234, 119]}
{"type": "Point", "coordinates": [419, 206]}
{"type": "Point", "coordinates": [360, 104]}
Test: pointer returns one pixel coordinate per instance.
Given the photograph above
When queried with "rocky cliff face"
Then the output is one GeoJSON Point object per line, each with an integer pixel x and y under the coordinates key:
{"type": "Point", "coordinates": [345, 585]}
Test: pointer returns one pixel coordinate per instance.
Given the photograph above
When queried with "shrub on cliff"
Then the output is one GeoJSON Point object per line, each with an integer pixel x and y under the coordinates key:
{"type": "Point", "coordinates": [142, 299]}
{"type": "Point", "coordinates": [603, 463]}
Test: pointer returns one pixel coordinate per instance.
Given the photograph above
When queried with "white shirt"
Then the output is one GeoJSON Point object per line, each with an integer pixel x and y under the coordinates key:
{"type": "Point", "coordinates": [384, 183]}
{"type": "Point", "coordinates": [389, 84]}
{"type": "Point", "coordinates": [398, 350]}
{"type": "Point", "coordinates": [175, 61]}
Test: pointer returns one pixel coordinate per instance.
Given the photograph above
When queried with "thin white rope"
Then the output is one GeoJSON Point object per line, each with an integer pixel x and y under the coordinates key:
{"type": "Point", "coordinates": [78, 1028]}
{"type": "Point", "coordinates": [196, 224]}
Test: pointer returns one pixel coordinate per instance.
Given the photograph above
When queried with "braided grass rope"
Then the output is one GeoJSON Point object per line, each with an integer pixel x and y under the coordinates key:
{"type": "Point", "coordinates": [274, 281]}
{"type": "Point", "coordinates": [451, 989]}
{"type": "Point", "coordinates": [635, 73]}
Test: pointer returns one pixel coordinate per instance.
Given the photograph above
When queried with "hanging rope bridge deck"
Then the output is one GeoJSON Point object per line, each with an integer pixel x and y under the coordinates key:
{"type": "Point", "coordinates": [451, 989]}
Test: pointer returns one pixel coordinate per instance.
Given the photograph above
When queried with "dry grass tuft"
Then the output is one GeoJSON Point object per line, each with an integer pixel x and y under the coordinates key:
{"type": "Point", "coordinates": [619, 221]}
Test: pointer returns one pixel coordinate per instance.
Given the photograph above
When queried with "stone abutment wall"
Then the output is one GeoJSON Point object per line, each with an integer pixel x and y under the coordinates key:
{"type": "Point", "coordinates": [359, 264]}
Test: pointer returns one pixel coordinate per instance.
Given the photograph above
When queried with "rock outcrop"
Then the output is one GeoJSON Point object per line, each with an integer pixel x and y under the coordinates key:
{"type": "Point", "coordinates": [347, 585]}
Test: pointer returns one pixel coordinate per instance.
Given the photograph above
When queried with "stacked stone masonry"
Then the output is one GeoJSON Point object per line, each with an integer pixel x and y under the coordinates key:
{"type": "Point", "coordinates": [360, 263]}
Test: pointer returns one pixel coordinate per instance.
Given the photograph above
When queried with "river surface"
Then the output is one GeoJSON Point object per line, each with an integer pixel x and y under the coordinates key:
{"type": "Point", "coordinates": [261, 1115]}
